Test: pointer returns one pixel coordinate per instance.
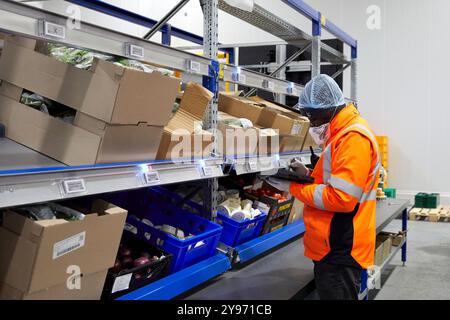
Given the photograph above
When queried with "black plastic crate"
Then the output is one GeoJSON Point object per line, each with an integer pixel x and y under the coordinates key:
{"type": "Point", "coordinates": [136, 277]}
{"type": "Point", "coordinates": [278, 215]}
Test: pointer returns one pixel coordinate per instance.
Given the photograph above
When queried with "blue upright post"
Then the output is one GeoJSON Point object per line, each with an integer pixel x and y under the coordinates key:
{"type": "Point", "coordinates": [405, 232]}
{"type": "Point", "coordinates": [364, 278]}
{"type": "Point", "coordinates": [166, 38]}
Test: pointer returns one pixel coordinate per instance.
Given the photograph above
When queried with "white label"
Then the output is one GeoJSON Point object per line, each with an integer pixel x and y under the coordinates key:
{"type": "Point", "coordinates": [52, 30]}
{"type": "Point", "coordinates": [207, 171]}
{"type": "Point", "coordinates": [151, 177]}
{"type": "Point", "coordinates": [69, 245]}
{"type": "Point", "coordinates": [253, 166]}
{"type": "Point", "coordinates": [122, 283]}
{"type": "Point", "coordinates": [134, 51]}
{"type": "Point", "coordinates": [194, 66]}
{"type": "Point", "coordinates": [268, 85]}
{"type": "Point", "coordinates": [74, 186]}
{"type": "Point", "coordinates": [296, 128]}
{"type": "Point", "coordinates": [238, 77]}
{"type": "Point", "coordinates": [130, 228]}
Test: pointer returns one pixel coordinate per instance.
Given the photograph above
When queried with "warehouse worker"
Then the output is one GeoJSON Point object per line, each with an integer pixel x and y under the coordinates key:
{"type": "Point", "coordinates": [340, 205]}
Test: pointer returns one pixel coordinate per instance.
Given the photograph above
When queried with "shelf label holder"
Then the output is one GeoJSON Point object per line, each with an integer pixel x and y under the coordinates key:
{"type": "Point", "coordinates": [134, 51]}
{"type": "Point", "coordinates": [51, 30]}
{"type": "Point", "coordinates": [74, 186]}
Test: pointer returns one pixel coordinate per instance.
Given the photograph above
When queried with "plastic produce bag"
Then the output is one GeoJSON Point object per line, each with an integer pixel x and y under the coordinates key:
{"type": "Point", "coordinates": [246, 5]}
{"type": "Point", "coordinates": [36, 101]}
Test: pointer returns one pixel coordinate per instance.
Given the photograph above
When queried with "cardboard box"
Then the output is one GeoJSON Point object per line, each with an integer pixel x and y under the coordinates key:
{"type": "Point", "coordinates": [240, 107]}
{"type": "Point", "coordinates": [383, 248]}
{"type": "Point", "coordinates": [309, 141]}
{"type": "Point", "coordinates": [91, 286]}
{"type": "Point", "coordinates": [235, 140]}
{"type": "Point", "coordinates": [297, 211]}
{"type": "Point", "coordinates": [292, 127]}
{"type": "Point", "coordinates": [277, 117]}
{"type": "Point", "coordinates": [36, 255]}
{"type": "Point", "coordinates": [122, 143]}
{"type": "Point", "coordinates": [78, 143]}
{"type": "Point", "coordinates": [183, 138]}
{"type": "Point", "coordinates": [107, 92]}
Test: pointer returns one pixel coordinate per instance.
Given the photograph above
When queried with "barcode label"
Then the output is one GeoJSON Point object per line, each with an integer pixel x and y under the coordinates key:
{"type": "Point", "coordinates": [151, 177]}
{"type": "Point", "coordinates": [207, 171]}
{"type": "Point", "coordinates": [69, 245]}
{"type": "Point", "coordinates": [253, 166]}
{"type": "Point", "coordinates": [74, 186]}
{"type": "Point", "coordinates": [134, 51]}
{"type": "Point", "coordinates": [193, 66]}
{"type": "Point", "coordinates": [51, 30]}
{"type": "Point", "coordinates": [122, 283]}
{"type": "Point", "coordinates": [296, 128]}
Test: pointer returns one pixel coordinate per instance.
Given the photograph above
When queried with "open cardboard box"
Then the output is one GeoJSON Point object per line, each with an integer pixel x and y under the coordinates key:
{"type": "Point", "coordinates": [87, 141]}
{"type": "Point", "coordinates": [183, 138]}
{"type": "Point", "coordinates": [292, 127]}
{"type": "Point", "coordinates": [37, 255]}
{"type": "Point", "coordinates": [111, 93]}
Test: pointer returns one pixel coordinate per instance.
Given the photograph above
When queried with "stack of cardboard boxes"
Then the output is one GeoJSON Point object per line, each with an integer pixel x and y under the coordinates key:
{"type": "Point", "coordinates": [53, 259]}
{"type": "Point", "coordinates": [183, 137]}
{"type": "Point", "coordinates": [120, 113]}
{"type": "Point", "coordinates": [291, 127]}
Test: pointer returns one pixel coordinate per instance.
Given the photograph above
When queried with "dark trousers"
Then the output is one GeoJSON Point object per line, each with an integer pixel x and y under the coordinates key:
{"type": "Point", "coordinates": [337, 282]}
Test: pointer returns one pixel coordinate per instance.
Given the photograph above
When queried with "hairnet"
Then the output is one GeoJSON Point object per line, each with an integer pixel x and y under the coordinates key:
{"type": "Point", "coordinates": [321, 92]}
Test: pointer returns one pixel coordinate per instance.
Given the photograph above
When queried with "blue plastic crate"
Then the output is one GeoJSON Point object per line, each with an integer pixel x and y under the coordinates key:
{"type": "Point", "coordinates": [153, 207]}
{"type": "Point", "coordinates": [235, 233]}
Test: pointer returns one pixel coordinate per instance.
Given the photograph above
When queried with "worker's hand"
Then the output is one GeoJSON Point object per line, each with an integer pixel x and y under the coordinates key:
{"type": "Point", "coordinates": [299, 167]}
{"type": "Point", "coordinates": [279, 184]}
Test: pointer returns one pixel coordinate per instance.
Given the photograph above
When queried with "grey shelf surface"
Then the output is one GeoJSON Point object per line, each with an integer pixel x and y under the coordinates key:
{"type": "Point", "coordinates": [32, 177]}
{"type": "Point", "coordinates": [267, 164]}
{"type": "Point", "coordinates": [388, 210]}
{"type": "Point", "coordinates": [14, 156]}
{"type": "Point", "coordinates": [278, 276]}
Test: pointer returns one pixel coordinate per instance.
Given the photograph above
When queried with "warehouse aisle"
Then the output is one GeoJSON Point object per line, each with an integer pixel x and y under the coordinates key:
{"type": "Point", "coordinates": [427, 274]}
{"type": "Point", "coordinates": [277, 276]}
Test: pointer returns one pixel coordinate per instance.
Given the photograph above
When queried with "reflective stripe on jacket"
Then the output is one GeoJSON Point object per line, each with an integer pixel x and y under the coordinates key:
{"type": "Point", "coordinates": [340, 206]}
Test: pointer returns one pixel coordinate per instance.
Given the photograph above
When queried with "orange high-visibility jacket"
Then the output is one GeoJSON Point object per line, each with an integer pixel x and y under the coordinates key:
{"type": "Point", "coordinates": [340, 206]}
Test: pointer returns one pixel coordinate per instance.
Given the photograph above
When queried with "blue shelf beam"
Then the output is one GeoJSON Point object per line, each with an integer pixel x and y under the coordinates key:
{"type": "Point", "coordinates": [254, 248]}
{"type": "Point", "coordinates": [178, 283]}
{"type": "Point", "coordinates": [109, 9]}
{"type": "Point", "coordinates": [305, 9]}
{"type": "Point", "coordinates": [316, 17]}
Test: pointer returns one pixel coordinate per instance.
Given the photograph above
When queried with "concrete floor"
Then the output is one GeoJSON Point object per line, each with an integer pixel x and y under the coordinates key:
{"type": "Point", "coordinates": [426, 275]}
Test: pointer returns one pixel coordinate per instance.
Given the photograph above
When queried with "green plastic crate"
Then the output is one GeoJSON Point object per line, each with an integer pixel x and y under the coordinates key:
{"type": "Point", "coordinates": [420, 200]}
{"type": "Point", "coordinates": [390, 193]}
{"type": "Point", "coordinates": [433, 200]}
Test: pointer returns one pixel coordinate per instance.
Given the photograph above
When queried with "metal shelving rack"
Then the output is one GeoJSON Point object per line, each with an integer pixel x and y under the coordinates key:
{"type": "Point", "coordinates": [25, 186]}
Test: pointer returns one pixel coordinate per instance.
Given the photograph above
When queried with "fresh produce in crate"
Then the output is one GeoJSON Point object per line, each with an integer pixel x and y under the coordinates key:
{"type": "Point", "coordinates": [137, 264]}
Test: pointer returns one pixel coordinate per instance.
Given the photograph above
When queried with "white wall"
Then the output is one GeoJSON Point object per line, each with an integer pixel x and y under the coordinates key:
{"type": "Point", "coordinates": [403, 86]}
